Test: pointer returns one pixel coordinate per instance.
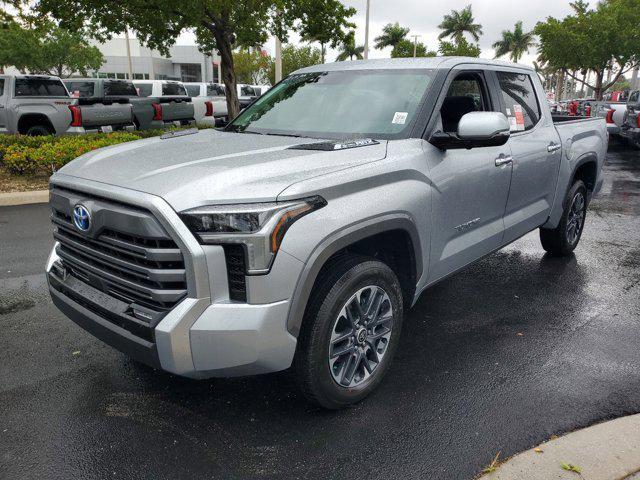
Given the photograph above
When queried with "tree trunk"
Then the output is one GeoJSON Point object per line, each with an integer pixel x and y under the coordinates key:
{"type": "Point", "coordinates": [559, 86]}
{"type": "Point", "coordinates": [228, 73]}
{"type": "Point", "coordinates": [597, 91]}
{"type": "Point", "coordinates": [322, 52]}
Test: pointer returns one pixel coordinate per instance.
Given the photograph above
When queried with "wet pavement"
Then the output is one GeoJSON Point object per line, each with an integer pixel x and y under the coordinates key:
{"type": "Point", "coordinates": [497, 358]}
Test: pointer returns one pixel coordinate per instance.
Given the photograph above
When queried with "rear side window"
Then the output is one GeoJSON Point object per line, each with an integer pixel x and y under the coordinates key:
{"type": "Point", "coordinates": [193, 90]}
{"type": "Point", "coordinates": [247, 91]}
{"type": "Point", "coordinates": [634, 96]}
{"type": "Point", "coordinates": [172, 88]}
{"type": "Point", "coordinates": [1, 87]}
{"type": "Point", "coordinates": [39, 87]}
{"type": "Point", "coordinates": [144, 89]}
{"type": "Point", "coordinates": [520, 103]}
{"type": "Point", "coordinates": [80, 89]}
{"type": "Point", "coordinates": [213, 90]}
{"type": "Point", "coordinates": [120, 89]}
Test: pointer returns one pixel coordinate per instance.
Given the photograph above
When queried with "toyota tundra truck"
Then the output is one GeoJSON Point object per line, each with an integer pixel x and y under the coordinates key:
{"type": "Point", "coordinates": [300, 235]}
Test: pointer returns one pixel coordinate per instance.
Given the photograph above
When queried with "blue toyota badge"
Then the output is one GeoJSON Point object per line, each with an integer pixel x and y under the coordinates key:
{"type": "Point", "coordinates": [81, 218]}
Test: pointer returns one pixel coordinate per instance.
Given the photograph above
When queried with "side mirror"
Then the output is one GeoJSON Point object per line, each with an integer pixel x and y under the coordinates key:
{"type": "Point", "coordinates": [475, 129]}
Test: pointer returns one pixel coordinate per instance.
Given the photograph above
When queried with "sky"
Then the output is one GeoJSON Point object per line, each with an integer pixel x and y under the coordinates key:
{"type": "Point", "coordinates": [424, 16]}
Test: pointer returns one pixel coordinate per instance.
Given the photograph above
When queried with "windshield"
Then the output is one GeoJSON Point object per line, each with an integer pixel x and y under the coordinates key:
{"type": "Point", "coordinates": [171, 88]}
{"type": "Point", "coordinates": [340, 104]}
{"type": "Point", "coordinates": [80, 89]}
{"type": "Point", "coordinates": [39, 87]}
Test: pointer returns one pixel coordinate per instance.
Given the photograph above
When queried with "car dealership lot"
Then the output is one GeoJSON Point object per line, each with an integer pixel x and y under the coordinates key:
{"type": "Point", "coordinates": [497, 358]}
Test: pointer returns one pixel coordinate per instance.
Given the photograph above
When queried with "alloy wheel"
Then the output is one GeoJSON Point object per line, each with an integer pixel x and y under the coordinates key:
{"type": "Point", "coordinates": [360, 336]}
{"type": "Point", "coordinates": [575, 221]}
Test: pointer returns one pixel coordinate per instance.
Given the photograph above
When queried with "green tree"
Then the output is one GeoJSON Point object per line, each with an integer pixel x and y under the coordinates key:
{"type": "Point", "coordinates": [404, 49]}
{"type": "Point", "coordinates": [515, 43]}
{"type": "Point", "coordinates": [457, 23]}
{"type": "Point", "coordinates": [220, 25]}
{"type": "Point", "coordinates": [40, 46]}
{"type": "Point", "coordinates": [295, 58]}
{"type": "Point", "coordinates": [392, 35]}
{"type": "Point", "coordinates": [324, 22]}
{"type": "Point", "coordinates": [252, 66]}
{"type": "Point", "coordinates": [597, 40]}
{"type": "Point", "coordinates": [349, 48]}
{"type": "Point", "coordinates": [462, 48]}
{"type": "Point", "coordinates": [621, 85]}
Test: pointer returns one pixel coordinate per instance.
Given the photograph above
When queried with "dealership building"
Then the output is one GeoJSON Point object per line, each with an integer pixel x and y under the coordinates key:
{"type": "Point", "coordinates": [185, 62]}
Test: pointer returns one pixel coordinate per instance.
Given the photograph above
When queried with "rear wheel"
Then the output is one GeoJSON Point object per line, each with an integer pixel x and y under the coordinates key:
{"type": "Point", "coordinates": [38, 130]}
{"type": "Point", "coordinates": [563, 239]}
{"type": "Point", "coordinates": [350, 332]}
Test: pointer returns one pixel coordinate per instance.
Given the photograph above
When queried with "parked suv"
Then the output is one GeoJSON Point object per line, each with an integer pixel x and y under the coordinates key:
{"type": "Point", "coordinates": [34, 105]}
{"type": "Point", "coordinates": [300, 235]}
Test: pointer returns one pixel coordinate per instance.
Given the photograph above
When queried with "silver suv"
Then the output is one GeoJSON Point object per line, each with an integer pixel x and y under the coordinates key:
{"type": "Point", "coordinates": [302, 233]}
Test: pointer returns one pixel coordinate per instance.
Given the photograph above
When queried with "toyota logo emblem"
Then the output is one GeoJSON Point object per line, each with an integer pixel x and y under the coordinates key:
{"type": "Point", "coordinates": [81, 218]}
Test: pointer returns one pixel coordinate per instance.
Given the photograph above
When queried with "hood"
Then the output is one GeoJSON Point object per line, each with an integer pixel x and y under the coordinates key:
{"type": "Point", "coordinates": [212, 167]}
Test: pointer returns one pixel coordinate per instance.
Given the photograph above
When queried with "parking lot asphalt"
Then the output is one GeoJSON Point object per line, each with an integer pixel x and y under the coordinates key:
{"type": "Point", "coordinates": [497, 358]}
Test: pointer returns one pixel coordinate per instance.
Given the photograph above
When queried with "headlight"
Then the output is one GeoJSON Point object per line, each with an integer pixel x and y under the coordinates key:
{"type": "Point", "coordinates": [260, 227]}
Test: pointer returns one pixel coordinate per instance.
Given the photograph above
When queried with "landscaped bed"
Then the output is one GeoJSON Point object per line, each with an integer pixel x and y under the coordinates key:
{"type": "Point", "coordinates": [26, 163]}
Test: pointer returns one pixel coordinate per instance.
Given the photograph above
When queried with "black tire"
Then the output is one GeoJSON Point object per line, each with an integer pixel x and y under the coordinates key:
{"type": "Point", "coordinates": [38, 131]}
{"type": "Point", "coordinates": [561, 241]}
{"type": "Point", "coordinates": [340, 282]}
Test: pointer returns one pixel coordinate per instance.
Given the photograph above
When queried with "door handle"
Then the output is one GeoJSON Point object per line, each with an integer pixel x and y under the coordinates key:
{"type": "Point", "coordinates": [553, 147]}
{"type": "Point", "coordinates": [501, 161]}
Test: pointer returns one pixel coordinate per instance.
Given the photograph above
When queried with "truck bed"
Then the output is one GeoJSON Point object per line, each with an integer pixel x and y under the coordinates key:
{"type": "Point", "coordinates": [97, 113]}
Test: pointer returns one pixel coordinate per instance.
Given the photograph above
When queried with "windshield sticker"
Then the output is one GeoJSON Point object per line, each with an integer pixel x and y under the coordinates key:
{"type": "Point", "coordinates": [508, 112]}
{"type": "Point", "coordinates": [513, 126]}
{"type": "Point", "coordinates": [519, 116]}
{"type": "Point", "coordinates": [400, 118]}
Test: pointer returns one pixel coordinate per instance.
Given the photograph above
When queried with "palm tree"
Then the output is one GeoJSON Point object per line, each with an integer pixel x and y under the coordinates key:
{"type": "Point", "coordinates": [392, 34]}
{"type": "Point", "coordinates": [456, 24]}
{"type": "Point", "coordinates": [515, 43]}
{"type": "Point", "coordinates": [349, 48]}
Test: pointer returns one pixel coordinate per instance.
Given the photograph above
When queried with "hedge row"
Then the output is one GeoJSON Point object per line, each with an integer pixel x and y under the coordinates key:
{"type": "Point", "coordinates": [24, 155]}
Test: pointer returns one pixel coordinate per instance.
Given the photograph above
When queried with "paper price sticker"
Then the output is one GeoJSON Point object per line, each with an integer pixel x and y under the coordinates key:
{"type": "Point", "coordinates": [519, 117]}
{"type": "Point", "coordinates": [400, 118]}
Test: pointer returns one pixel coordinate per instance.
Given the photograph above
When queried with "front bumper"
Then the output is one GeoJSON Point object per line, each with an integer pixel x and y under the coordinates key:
{"type": "Point", "coordinates": [205, 334]}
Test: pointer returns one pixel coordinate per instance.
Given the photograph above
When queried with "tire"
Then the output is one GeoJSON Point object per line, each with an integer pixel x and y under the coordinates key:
{"type": "Point", "coordinates": [350, 281]}
{"type": "Point", "coordinates": [563, 239]}
{"type": "Point", "coordinates": [38, 130]}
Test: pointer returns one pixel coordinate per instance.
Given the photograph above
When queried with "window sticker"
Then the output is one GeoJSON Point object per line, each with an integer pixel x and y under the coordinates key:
{"type": "Point", "coordinates": [513, 126]}
{"type": "Point", "coordinates": [519, 117]}
{"type": "Point", "coordinates": [400, 118]}
{"type": "Point", "coordinates": [508, 112]}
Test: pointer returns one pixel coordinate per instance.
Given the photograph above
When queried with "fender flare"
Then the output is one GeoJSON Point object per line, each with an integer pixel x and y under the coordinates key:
{"type": "Point", "coordinates": [337, 241]}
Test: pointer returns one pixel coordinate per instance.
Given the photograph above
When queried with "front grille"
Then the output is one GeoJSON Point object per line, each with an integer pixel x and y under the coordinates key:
{"type": "Point", "coordinates": [235, 259]}
{"type": "Point", "coordinates": [141, 270]}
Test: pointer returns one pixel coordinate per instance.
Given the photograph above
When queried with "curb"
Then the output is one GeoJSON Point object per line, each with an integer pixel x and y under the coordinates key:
{"type": "Point", "coordinates": [23, 198]}
{"type": "Point", "coordinates": [606, 451]}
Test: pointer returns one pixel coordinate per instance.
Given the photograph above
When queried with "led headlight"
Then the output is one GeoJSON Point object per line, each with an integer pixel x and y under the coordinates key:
{"type": "Point", "coordinates": [260, 227]}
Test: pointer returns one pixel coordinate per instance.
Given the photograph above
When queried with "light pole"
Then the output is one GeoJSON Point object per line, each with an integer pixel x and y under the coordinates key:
{"type": "Point", "coordinates": [126, 36]}
{"type": "Point", "coordinates": [366, 32]}
{"type": "Point", "coordinates": [415, 44]}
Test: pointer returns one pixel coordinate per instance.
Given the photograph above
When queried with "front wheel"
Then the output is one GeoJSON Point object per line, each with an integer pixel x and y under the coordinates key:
{"type": "Point", "coordinates": [350, 332]}
{"type": "Point", "coordinates": [563, 239]}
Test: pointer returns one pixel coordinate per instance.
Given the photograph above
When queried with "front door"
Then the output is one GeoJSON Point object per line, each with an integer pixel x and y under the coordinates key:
{"type": "Point", "coordinates": [535, 147]}
{"type": "Point", "coordinates": [470, 187]}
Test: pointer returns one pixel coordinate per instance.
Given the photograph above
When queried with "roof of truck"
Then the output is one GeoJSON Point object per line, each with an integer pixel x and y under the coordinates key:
{"type": "Point", "coordinates": [406, 63]}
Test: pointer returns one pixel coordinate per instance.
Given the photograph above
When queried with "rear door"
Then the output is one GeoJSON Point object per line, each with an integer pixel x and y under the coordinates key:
{"type": "Point", "coordinates": [4, 88]}
{"type": "Point", "coordinates": [470, 187]}
{"type": "Point", "coordinates": [536, 150]}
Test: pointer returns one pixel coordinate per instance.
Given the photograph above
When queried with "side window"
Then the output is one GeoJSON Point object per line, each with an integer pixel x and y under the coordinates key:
{"type": "Point", "coordinates": [466, 94]}
{"type": "Point", "coordinates": [193, 90]}
{"type": "Point", "coordinates": [144, 89]}
{"type": "Point", "coordinates": [1, 87]}
{"type": "Point", "coordinates": [520, 103]}
{"type": "Point", "coordinates": [632, 99]}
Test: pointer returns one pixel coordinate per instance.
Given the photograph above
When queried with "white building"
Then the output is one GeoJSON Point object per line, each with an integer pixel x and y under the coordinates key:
{"type": "Point", "coordinates": [185, 62]}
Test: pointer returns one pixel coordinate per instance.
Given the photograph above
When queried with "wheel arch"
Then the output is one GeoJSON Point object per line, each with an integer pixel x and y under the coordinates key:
{"type": "Point", "coordinates": [29, 120]}
{"type": "Point", "coordinates": [360, 238]}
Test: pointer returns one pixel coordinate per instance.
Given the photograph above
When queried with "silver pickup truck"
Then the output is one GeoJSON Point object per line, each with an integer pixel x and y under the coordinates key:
{"type": "Point", "coordinates": [114, 103]}
{"type": "Point", "coordinates": [173, 105]}
{"type": "Point", "coordinates": [630, 129]}
{"type": "Point", "coordinates": [300, 235]}
{"type": "Point", "coordinates": [35, 105]}
{"type": "Point", "coordinates": [99, 109]}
